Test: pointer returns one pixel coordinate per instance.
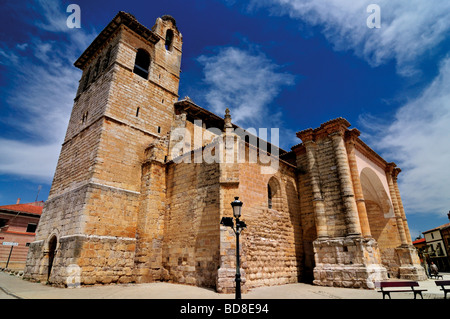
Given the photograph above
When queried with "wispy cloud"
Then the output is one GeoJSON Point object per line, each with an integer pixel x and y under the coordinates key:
{"type": "Point", "coordinates": [39, 96]}
{"type": "Point", "coordinates": [418, 139]}
{"type": "Point", "coordinates": [247, 82]}
{"type": "Point", "coordinates": [409, 28]}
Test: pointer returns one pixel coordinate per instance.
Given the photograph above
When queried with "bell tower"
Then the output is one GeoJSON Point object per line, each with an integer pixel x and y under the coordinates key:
{"type": "Point", "coordinates": [124, 103]}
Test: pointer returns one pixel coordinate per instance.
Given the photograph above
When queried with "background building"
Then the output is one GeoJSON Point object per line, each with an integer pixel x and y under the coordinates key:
{"type": "Point", "coordinates": [18, 225]}
{"type": "Point", "coordinates": [437, 249]}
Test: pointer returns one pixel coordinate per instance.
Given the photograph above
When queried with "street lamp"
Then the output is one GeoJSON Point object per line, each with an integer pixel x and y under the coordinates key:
{"type": "Point", "coordinates": [240, 225]}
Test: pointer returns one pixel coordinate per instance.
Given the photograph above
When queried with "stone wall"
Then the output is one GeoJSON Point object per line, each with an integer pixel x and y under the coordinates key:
{"type": "Point", "coordinates": [191, 240]}
{"type": "Point", "coordinates": [272, 242]}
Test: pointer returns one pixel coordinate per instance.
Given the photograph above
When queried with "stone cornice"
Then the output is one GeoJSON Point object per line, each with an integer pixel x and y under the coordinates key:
{"type": "Point", "coordinates": [338, 125]}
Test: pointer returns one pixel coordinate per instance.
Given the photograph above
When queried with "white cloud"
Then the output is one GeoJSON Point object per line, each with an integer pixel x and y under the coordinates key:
{"type": "Point", "coordinates": [40, 95]}
{"type": "Point", "coordinates": [247, 83]}
{"type": "Point", "coordinates": [30, 160]}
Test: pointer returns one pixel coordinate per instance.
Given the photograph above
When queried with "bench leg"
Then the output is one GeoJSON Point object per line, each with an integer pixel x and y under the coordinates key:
{"type": "Point", "coordinates": [386, 293]}
{"type": "Point", "coordinates": [417, 292]}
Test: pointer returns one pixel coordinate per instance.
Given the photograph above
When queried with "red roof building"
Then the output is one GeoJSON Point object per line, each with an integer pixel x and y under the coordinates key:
{"type": "Point", "coordinates": [18, 225]}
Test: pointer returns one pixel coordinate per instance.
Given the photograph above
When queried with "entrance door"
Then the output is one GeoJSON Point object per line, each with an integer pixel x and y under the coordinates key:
{"type": "Point", "coordinates": [308, 275]}
{"type": "Point", "coordinates": [51, 254]}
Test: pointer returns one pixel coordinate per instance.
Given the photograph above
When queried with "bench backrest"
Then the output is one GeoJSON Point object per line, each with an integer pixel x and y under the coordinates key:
{"type": "Point", "coordinates": [442, 282]}
{"type": "Point", "coordinates": [385, 284]}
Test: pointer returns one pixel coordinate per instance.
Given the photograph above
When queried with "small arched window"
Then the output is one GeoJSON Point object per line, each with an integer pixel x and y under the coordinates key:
{"type": "Point", "coordinates": [142, 63]}
{"type": "Point", "coordinates": [274, 197]}
{"type": "Point", "coordinates": [169, 40]}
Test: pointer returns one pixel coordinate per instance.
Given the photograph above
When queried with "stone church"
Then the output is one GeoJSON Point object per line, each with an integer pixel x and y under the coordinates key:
{"type": "Point", "coordinates": [131, 202]}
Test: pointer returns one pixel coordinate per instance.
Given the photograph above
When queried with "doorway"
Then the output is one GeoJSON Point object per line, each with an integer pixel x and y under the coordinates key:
{"type": "Point", "coordinates": [51, 254]}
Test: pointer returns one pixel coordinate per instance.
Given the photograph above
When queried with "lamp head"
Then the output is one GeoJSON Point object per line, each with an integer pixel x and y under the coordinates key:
{"type": "Point", "coordinates": [237, 207]}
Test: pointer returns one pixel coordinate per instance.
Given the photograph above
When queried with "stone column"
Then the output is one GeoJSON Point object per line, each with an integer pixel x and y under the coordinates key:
{"type": "Point", "coordinates": [400, 205]}
{"type": "Point", "coordinates": [318, 203]}
{"type": "Point", "coordinates": [398, 216]}
{"type": "Point", "coordinates": [348, 197]}
{"type": "Point", "coordinates": [352, 135]}
{"type": "Point", "coordinates": [150, 219]}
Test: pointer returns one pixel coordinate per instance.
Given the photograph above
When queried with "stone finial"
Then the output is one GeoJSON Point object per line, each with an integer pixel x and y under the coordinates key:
{"type": "Point", "coordinates": [227, 119]}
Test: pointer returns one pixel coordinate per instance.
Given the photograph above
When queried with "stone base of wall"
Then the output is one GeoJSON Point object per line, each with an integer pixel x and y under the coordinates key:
{"type": "Point", "coordinates": [226, 281]}
{"type": "Point", "coordinates": [351, 262]}
{"type": "Point", "coordinates": [35, 263]}
{"type": "Point", "coordinates": [410, 267]}
{"type": "Point", "coordinates": [85, 260]}
{"type": "Point", "coordinates": [348, 276]}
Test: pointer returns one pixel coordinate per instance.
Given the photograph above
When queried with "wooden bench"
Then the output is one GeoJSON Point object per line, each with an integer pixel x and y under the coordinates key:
{"type": "Point", "coordinates": [386, 287]}
{"type": "Point", "coordinates": [443, 283]}
{"type": "Point", "coordinates": [436, 276]}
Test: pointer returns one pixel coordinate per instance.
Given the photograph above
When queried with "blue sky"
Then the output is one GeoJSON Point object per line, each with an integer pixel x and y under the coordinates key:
{"type": "Point", "coordinates": [291, 64]}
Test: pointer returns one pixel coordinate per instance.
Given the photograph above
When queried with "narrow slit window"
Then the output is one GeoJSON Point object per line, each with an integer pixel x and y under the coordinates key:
{"type": "Point", "coordinates": [85, 117]}
{"type": "Point", "coordinates": [137, 111]}
{"type": "Point", "coordinates": [159, 129]}
{"type": "Point", "coordinates": [269, 196]}
{"type": "Point", "coordinates": [142, 63]}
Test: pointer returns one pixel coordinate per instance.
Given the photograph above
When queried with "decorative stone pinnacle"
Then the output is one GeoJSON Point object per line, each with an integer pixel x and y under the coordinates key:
{"type": "Point", "coordinates": [227, 119]}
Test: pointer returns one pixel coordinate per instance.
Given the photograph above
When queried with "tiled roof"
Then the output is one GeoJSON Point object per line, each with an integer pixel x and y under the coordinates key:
{"type": "Point", "coordinates": [23, 208]}
{"type": "Point", "coordinates": [436, 228]}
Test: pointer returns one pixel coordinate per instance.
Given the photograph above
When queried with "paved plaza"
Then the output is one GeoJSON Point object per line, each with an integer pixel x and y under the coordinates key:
{"type": "Point", "coordinates": [13, 287]}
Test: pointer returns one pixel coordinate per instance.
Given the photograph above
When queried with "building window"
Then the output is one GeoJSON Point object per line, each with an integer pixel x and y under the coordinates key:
{"type": "Point", "coordinates": [137, 111]}
{"type": "Point", "coordinates": [31, 228]}
{"type": "Point", "coordinates": [3, 222]}
{"type": "Point", "coordinates": [142, 63]}
{"type": "Point", "coordinates": [169, 40]}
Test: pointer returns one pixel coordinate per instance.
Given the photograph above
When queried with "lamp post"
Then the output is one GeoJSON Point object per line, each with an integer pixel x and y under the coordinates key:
{"type": "Point", "coordinates": [240, 225]}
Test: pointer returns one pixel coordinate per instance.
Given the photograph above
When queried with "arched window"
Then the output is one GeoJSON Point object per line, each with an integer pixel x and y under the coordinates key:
{"type": "Point", "coordinates": [142, 63]}
{"type": "Point", "coordinates": [274, 198]}
{"type": "Point", "coordinates": [169, 40]}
